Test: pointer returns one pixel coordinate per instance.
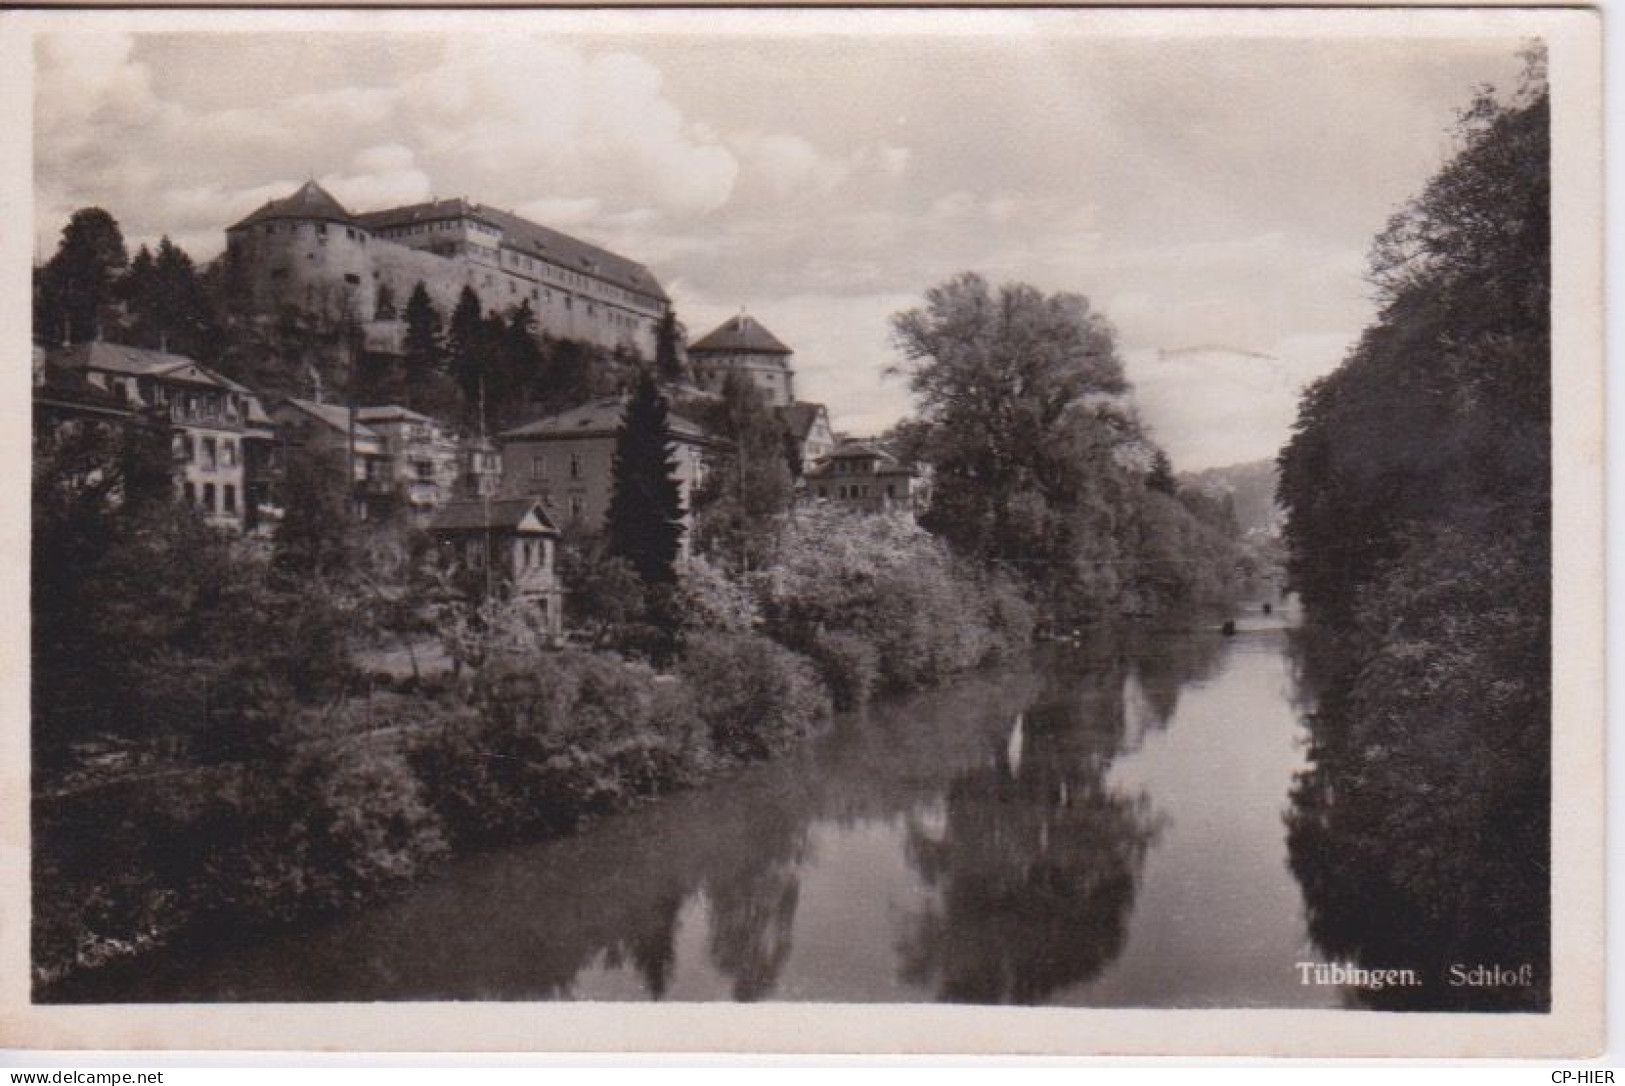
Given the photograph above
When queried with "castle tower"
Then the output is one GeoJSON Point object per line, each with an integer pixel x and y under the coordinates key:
{"type": "Point", "coordinates": [742, 344]}
{"type": "Point", "coordinates": [305, 251]}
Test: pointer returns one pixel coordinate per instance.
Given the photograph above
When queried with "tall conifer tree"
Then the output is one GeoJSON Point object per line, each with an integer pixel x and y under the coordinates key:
{"type": "Point", "coordinates": [645, 523]}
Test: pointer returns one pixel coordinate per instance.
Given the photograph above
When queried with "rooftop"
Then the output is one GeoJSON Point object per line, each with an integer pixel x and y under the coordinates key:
{"type": "Point", "coordinates": [311, 201]}
{"type": "Point", "coordinates": [392, 412]}
{"type": "Point", "coordinates": [489, 514]}
{"type": "Point", "coordinates": [800, 416]}
{"type": "Point", "coordinates": [740, 333]}
{"type": "Point", "coordinates": [527, 237]}
{"type": "Point", "coordinates": [335, 416]}
{"type": "Point", "coordinates": [599, 418]}
{"type": "Point", "coordinates": [138, 362]}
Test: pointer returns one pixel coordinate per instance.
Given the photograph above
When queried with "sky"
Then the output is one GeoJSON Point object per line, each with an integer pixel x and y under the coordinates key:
{"type": "Point", "coordinates": [1215, 197]}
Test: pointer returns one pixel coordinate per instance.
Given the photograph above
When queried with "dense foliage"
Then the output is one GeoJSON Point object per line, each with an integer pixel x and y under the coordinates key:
{"type": "Point", "coordinates": [1417, 490]}
{"type": "Point", "coordinates": [1041, 467]}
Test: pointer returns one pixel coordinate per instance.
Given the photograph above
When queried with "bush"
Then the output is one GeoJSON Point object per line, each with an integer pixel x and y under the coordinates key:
{"type": "Point", "coordinates": [848, 664]}
{"type": "Point", "coordinates": [885, 580]}
{"type": "Point", "coordinates": [755, 696]}
{"type": "Point", "coordinates": [334, 826]}
{"type": "Point", "coordinates": [550, 739]}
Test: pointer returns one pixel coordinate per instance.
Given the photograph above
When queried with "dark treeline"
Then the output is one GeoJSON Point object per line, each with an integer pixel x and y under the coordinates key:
{"type": "Point", "coordinates": [1418, 499]}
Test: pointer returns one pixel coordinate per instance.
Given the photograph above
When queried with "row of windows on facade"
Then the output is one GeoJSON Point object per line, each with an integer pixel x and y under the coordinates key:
{"type": "Point", "coordinates": [183, 406]}
{"type": "Point", "coordinates": [538, 466]}
{"type": "Point", "coordinates": [215, 451]}
{"type": "Point", "coordinates": [537, 294]}
{"type": "Point", "coordinates": [518, 260]}
{"type": "Point", "coordinates": [321, 232]}
{"type": "Point", "coordinates": [521, 260]}
{"type": "Point", "coordinates": [857, 490]}
{"type": "Point", "coordinates": [227, 503]}
{"type": "Point", "coordinates": [532, 554]}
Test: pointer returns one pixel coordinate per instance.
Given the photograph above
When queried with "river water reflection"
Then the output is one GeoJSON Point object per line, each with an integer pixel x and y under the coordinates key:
{"type": "Point", "coordinates": [1102, 825]}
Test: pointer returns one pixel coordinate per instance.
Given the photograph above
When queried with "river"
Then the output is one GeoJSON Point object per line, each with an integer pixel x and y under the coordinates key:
{"type": "Point", "coordinates": [1101, 825]}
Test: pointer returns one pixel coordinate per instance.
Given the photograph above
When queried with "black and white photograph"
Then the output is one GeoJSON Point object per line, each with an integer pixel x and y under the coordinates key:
{"type": "Point", "coordinates": [1056, 512]}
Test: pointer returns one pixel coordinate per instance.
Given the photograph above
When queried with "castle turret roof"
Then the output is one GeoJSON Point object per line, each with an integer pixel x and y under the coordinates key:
{"type": "Point", "coordinates": [311, 201]}
{"type": "Point", "coordinates": [741, 333]}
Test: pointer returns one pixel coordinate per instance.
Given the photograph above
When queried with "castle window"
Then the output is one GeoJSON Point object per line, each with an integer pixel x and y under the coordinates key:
{"type": "Point", "coordinates": [353, 280]}
{"type": "Point", "coordinates": [208, 497]}
{"type": "Point", "coordinates": [349, 233]}
{"type": "Point", "coordinates": [230, 495]}
{"type": "Point", "coordinates": [270, 228]}
{"type": "Point", "coordinates": [575, 465]}
{"type": "Point", "coordinates": [321, 230]}
{"type": "Point", "coordinates": [538, 467]}
{"type": "Point", "coordinates": [191, 493]}
{"type": "Point", "coordinates": [577, 505]}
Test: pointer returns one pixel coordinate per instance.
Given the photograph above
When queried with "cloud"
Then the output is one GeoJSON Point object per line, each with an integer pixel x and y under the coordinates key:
{"type": "Point", "coordinates": [1200, 191]}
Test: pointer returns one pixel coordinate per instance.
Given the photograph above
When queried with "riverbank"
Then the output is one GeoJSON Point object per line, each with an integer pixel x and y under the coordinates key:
{"type": "Point", "coordinates": [347, 804]}
{"type": "Point", "coordinates": [1126, 849]}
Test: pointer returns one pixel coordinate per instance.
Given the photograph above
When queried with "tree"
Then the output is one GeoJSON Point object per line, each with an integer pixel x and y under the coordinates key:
{"type": "Point", "coordinates": [521, 375]}
{"type": "Point", "coordinates": [750, 482]}
{"type": "Point", "coordinates": [167, 304]}
{"type": "Point", "coordinates": [76, 290]}
{"type": "Point", "coordinates": [1161, 476]}
{"type": "Point", "coordinates": [645, 522]}
{"type": "Point", "coordinates": [1018, 392]}
{"type": "Point", "coordinates": [1441, 412]}
{"type": "Point", "coordinates": [423, 362]}
{"type": "Point", "coordinates": [668, 347]}
{"type": "Point", "coordinates": [314, 540]}
{"type": "Point", "coordinates": [1417, 491]}
{"type": "Point", "coordinates": [470, 353]}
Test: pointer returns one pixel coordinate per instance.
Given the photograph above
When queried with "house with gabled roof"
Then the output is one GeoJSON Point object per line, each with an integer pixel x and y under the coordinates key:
{"type": "Point", "coordinates": [506, 547]}
{"type": "Point", "coordinates": [866, 476]}
{"type": "Point", "coordinates": [216, 425]}
{"type": "Point", "coordinates": [807, 428]}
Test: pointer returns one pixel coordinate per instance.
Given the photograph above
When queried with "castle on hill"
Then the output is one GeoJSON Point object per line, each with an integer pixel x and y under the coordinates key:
{"type": "Point", "coordinates": [307, 252]}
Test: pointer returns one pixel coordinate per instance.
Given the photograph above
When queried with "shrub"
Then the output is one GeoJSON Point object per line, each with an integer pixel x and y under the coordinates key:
{"type": "Point", "coordinates": [755, 696]}
{"type": "Point", "coordinates": [890, 583]}
{"type": "Point", "coordinates": [848, 664]}
{"type": "Point", "coordinates": [333, 826]}
{"type": "Point", "coordinates": [550, 739]}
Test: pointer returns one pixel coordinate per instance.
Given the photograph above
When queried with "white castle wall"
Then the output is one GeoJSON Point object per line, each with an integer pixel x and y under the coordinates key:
{"type": "Point", "coordinates": [331, 269]}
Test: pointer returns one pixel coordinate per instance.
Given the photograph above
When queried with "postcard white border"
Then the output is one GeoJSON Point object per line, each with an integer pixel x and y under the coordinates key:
{"type": "Point", "coordinates": [1573, 1028]}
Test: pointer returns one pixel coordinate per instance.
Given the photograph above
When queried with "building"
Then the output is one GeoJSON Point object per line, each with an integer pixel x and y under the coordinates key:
{"type": "Point", "coordinates": [742, 345]}
{"type": "Point", "coordinates": [425, 457]}
{"type": "Point", "coordinates": [310, 253]}
{"type": "Point", "coordinates": [66, 402]}
{"type": "Point", "coordinates": [566, 461]}
{"type": "Point", "coordinates": [479, 468]}
{"type": "Point", "coordinates": [862, 475]}
{"type": "Point", "coordinates": [504, 546]}
{"type": "Point", "coordinates": [807, 425]}
{"type": "Point", "coordinates": [337, 433]}
{"type": "Point", "coordinates": [214, 423]}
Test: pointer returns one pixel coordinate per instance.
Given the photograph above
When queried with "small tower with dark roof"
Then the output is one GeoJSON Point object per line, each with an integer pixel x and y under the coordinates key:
{"type": "Point", "coordinates": [304, 251]}
{"type": "Point", "coordinates": [743, 345]}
